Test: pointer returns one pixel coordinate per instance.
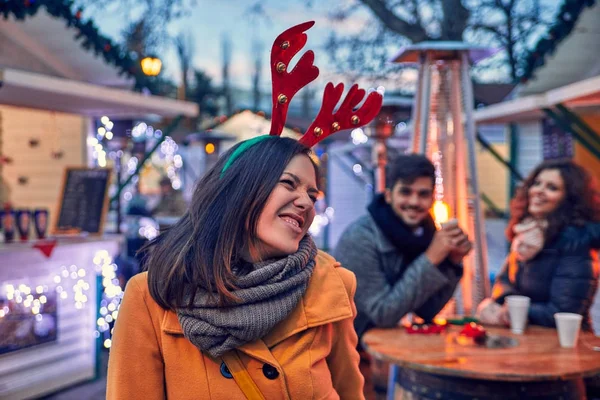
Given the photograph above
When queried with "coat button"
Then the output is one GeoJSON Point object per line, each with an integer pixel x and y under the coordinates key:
{"type": "Point", "coordinates": [225, 371]}
{"type": "Point", "coordinates": [270, 372]}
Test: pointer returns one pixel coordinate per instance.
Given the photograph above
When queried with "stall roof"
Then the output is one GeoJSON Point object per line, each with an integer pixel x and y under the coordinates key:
{"type": "Point", "coordinates": [45, 44]}
{"type": "Point", "coordinates": [246, 125]}
{"type": "Point", "coordinates": [572, 54]}
{"type": "Point", "coordinates": [411, 53]}
{"type": "Point", "coordinates": [26, 89]}
{"type": "Point", "coordinates": [582, 95]}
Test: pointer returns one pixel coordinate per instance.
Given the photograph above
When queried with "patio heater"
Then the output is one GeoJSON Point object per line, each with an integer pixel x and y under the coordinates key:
{"type": "Point", "coordinates": [444, 129]}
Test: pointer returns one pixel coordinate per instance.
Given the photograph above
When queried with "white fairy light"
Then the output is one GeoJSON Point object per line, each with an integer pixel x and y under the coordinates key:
{"type": "Point", "coordinates": [358, 136]}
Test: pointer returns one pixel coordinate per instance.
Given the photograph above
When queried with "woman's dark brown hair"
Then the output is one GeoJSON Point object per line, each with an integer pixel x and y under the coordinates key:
{"type": "Point", "coordinates": [203, 247]}
{"type": "Point", "coordinates": [581, 203]}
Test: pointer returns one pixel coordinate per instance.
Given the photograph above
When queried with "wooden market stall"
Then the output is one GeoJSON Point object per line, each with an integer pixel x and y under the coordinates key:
{"type": "Point", "coordinates": [52, 90]}
{"type": "Point", "coordinates": [581, 98]}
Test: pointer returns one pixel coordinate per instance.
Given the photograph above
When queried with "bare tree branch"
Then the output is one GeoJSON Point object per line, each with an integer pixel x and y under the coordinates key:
{"type": "Point", "coordinates": [414, 32]}
{"type": "Point", "coordinates": [416, 13]}
{"type": "Point", "coordinates": [456, 18]}
{"type": "Point", "coordinates": [184, 46]}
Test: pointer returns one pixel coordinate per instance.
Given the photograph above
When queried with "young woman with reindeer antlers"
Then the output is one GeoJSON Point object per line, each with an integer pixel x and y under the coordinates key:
{"type": "Point", "coordinates": [237, 301]}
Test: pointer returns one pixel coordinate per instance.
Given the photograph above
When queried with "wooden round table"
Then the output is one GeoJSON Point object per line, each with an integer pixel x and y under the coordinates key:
{"type": "Point", "coordinates": [449, 367]}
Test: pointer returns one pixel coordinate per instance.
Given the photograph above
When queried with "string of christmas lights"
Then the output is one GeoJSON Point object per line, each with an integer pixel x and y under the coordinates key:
{"type": "Point", "coordinates": [69, 283]}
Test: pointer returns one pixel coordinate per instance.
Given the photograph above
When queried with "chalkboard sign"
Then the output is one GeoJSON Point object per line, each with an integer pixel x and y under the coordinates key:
{"type": "Point", "coordinates": [84, 201]}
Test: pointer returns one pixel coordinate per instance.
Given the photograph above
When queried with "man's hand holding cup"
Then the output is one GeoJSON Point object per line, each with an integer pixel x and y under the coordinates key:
{"type": "Point", "coordinates": [450, 241]}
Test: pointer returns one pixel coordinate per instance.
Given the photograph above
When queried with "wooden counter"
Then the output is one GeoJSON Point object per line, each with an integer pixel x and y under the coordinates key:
{"type": "Point", "coordinates": [536, 357]}
{"type": "Point", "coordinates": [536, 367]}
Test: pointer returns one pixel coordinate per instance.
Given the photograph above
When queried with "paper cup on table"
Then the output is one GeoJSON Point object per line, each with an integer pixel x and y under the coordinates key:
{"type": "Point", "coordinates": [518, 308]}
{"type": "Point", "coordinates": [568, 326]}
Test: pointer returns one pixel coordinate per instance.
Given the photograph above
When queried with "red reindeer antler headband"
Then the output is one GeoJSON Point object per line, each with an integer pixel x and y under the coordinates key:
{"type": "Point", "coordinates": [287, 84]}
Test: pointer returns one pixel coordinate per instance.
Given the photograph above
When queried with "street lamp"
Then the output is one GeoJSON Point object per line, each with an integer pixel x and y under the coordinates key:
{"type": "Point", "coordinates": [151, 65]}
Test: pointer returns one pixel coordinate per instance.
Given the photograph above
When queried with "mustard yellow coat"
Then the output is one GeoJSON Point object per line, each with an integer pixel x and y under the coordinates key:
{"type": "Point", "coordinates": [309, 355]}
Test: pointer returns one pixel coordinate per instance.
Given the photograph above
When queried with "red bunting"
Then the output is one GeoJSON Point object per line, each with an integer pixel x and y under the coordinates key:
{"type": "Point", "coordinates": [45, 246]}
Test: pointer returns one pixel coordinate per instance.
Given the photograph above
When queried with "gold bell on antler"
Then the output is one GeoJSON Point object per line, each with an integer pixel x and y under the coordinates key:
{"type": "Point", "coordinates": [335, 126]}
{"type": "Point", "coordinates": [280, 67]}
{"type": "Point", "coordinates": [355, 120]}
{"type": "Point", "coordinates": [318, 131]}
{"type": "Point", "coordinates": [282, 99]}
{"type": "Point", "coordinates": [285, 45]}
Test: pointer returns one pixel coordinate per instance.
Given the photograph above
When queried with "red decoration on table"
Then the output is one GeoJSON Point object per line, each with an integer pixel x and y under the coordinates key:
{"type": "Point", "coordinates": [474, 331]}
{"type": "Point", "coordinates": [426, 329]}
{"type": "Point", "coordinates": [45, 246]}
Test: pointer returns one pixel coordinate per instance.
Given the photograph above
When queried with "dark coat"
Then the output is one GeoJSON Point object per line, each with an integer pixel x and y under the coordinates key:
{"type": "Point", "coordinates": [561, 278]}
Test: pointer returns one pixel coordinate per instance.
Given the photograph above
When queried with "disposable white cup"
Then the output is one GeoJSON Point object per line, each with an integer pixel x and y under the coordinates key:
{"type": "Point", "coordinates": [518, 308]}
{"type": "Point", "coordinates": [568, 326]}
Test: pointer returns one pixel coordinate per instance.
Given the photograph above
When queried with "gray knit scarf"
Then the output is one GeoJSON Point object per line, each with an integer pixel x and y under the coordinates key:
{"type": "Point", "coordinates": [268, 294]}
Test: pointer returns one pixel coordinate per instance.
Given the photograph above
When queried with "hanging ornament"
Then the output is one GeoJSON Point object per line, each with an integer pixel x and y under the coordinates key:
{"type": "Point", "coordinates": [78, 14]}
{"type": "Point", "coordinates": [34, 142]}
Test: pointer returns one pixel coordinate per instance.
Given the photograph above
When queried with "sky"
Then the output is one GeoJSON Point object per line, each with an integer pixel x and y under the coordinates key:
{"type": "Point", "coordinates": [211, 20]}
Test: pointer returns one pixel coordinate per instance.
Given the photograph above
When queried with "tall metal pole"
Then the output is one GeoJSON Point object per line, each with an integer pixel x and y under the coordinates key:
{"type": "Point", "coordinates": [461, 189]}
{"type": "Point", "coordinates": [482, 284]}
{"type": "Point", "coordinates": [118, 170]}
{"type": "Point", "coordinates": [416, 107]}
{"type": "Point", "coordinates": [513, 158]}
{"type": "Point", "coordinates": [380, 157]}
{"type": "Point", "coordinates": [424, 107]}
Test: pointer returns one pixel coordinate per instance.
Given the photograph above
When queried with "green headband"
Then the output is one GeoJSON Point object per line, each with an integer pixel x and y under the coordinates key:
{"type": "Point", "coordinates": [245, 145]}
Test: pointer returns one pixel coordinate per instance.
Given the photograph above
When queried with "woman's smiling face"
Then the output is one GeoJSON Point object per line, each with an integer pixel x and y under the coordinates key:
{"type": "Point", "coordinates": [289, 210]}
{"type": "Point", "coordinates": [546, 193]}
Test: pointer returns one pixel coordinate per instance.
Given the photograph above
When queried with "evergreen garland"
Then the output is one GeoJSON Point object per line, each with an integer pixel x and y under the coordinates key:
{"type": "Point", "coordinates": [565, 22]}
{"type": "Point", "coordinates": [87, 33]}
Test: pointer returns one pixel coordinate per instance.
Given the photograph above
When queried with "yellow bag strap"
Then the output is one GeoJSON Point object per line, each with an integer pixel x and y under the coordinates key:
{"type": "Point", "coordinates": [241, 376]}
